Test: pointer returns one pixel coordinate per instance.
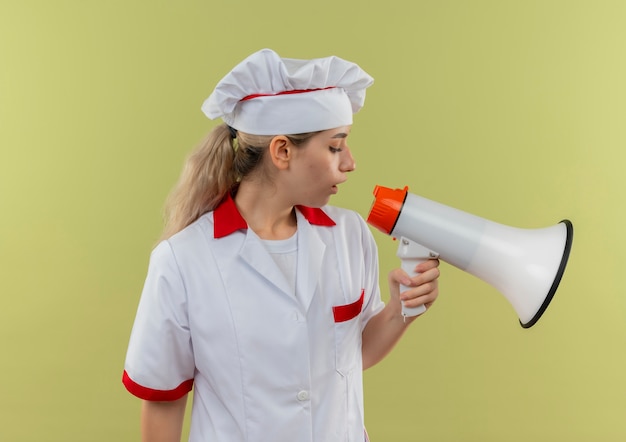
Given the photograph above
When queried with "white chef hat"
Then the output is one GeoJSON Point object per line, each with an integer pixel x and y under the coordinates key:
{"type": "Point", "coordinates": [269, 95]}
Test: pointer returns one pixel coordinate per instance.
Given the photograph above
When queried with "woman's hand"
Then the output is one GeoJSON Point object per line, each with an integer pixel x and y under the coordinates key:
{"type": "Point", "coordinates": [423, 288]}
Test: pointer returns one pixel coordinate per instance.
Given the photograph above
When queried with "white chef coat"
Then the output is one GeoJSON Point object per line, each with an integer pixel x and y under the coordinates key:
{"type": "Point", "coordinates": [217, 315]}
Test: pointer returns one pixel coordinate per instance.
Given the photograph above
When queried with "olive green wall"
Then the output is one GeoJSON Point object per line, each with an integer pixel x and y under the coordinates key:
{"type": "Point", "coordinates": [512, 110]}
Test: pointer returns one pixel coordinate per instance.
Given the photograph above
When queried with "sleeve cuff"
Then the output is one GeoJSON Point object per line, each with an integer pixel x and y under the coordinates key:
{"type": "Point", "coordinates": [150, 394]}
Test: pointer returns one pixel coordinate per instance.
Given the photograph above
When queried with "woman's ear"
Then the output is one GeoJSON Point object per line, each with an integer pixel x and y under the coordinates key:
{"type": "Point", "coordinates": [280, 150]}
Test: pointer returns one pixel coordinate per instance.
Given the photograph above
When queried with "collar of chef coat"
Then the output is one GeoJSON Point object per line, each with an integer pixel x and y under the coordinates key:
{"type": "Point", "coordinates": [227, 218]}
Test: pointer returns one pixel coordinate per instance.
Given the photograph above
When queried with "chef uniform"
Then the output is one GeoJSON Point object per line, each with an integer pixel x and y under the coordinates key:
{"type": "Point", "coordinates": [272, 354]}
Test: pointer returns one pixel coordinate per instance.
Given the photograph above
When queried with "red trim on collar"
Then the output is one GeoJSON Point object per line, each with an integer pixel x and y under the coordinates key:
{"type": "Point", "coordinates": [316, 216]}
{"type": "Point", "coordinates": [227, 219]}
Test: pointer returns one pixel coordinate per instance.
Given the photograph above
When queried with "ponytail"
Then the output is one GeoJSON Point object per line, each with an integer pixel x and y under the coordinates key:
{"type": "Point", "coordinates": [207, 176]}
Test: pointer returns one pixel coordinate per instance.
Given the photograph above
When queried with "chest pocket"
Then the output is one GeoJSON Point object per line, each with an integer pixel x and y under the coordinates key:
{"type": "Point", "coordinates": [348, 334]}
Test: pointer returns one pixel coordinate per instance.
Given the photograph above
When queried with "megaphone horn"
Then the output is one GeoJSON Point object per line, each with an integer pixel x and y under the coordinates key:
{"type": "Point", "coordinates": [525, 265]}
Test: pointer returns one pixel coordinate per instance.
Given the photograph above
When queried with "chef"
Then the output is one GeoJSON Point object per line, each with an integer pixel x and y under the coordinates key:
{"type": "Point", "coordinates": [262, 298]}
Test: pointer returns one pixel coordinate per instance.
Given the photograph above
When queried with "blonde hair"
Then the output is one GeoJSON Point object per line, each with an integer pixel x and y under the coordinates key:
{"type": "Point", "coordinates": [212, 170]}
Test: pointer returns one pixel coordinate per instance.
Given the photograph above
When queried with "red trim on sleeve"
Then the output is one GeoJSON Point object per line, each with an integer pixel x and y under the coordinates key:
{"type": "Point", "coordinates": [149, 394]}
{"type": "Point", "coordinates": [346, 312]}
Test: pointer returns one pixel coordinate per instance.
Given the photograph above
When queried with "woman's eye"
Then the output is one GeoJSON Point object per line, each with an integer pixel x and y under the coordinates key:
{"type": "Point", "coordinates": [335, 149]}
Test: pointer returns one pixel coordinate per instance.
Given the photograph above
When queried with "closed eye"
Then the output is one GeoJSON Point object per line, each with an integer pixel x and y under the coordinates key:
{"type": "Point", "coordinates": [335, 149]}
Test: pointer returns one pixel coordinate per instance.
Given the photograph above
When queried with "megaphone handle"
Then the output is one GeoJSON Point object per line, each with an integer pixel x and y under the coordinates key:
{"type": "Point", "coordinates": [408, 265]}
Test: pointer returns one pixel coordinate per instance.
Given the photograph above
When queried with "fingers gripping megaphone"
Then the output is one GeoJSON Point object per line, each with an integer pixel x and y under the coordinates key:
{"type": "Point", "coordinates": [525, 265]}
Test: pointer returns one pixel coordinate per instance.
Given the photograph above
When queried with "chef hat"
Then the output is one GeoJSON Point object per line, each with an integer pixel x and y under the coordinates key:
{"type": "Point", "coordinates": [269, 95]}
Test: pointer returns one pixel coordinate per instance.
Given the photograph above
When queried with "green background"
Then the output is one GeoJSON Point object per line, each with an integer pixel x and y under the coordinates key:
{"type": "Point", "coordinates": [511, 110]}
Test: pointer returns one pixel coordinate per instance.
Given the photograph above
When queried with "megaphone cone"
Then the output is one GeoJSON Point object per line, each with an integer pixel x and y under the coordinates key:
{"type": "Point", "coordinates": [525, 265]}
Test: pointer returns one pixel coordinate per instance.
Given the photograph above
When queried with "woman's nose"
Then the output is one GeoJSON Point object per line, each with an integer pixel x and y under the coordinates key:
{"type": "Point", "coordinates": [347, 161]}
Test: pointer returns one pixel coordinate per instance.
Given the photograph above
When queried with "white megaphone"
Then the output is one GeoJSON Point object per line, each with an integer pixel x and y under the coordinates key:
{"type": "Point", "coordinates": [525, 265]}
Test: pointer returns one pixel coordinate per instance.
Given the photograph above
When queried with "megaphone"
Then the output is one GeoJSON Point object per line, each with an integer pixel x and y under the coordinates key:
{"type": "Point", "coordinates": [525, 265]}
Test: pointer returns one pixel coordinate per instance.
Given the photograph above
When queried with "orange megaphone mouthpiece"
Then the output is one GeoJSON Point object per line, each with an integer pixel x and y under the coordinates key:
{"type": "Point", "coordinates": [386, 208]}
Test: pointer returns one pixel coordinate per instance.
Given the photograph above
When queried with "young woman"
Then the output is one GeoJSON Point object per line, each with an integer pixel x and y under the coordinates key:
{"type": "Point", "coordinates": [262, 298]}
